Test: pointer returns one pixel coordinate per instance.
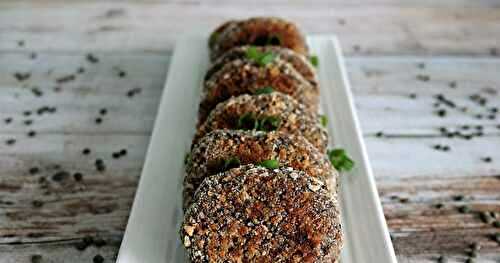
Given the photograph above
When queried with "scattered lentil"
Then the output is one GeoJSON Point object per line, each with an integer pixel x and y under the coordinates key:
{"type": "Point", "coordinates": [131, 93]}
{"type": "Point", "coordinates": [475, 246]}
{"type": "Point", "coordinates": [487, 159]}
{"type": "Point", "coordinates": [493, 51]}
{"type": "Point", "coordinates": [98, 120]}
{"type": "Point", "coordinates": [99, 242]}
{"type": "Point", "coordinates": [496, 237]}
{"type": "Point", "coordinates": [441, 113]}
{"type": "Point", "coordinates": [37, 203]}
{"type": "Point", "coordinates": [78, 176]}
{"type": "Point", "coordinates": [9, 120]}
{"type": "Point", "coordinates": [424, 78]}
{"type": "Point", "coordinates": [32, 133]}
{"type": "Point", "coordinates": [485, 217]}
{"type": "Point", "coordinates": [10, 141]}
{"type": "Point", "coordinates": [81, 245]}
{"type": "Point", "coordinates": [100, 166]}
{"type": "Point", "coordinates": [464, 209]}
{"type": "Point", "coordinates": [89, 240]}
{"type": "Point", "coordinates": [442, 259]}
{"type": "Point", "coordinates": [98, 259]}
{"type": "Point", "coordinates": [34, 170]}
{"type": "Point", "coordinates": [36, 91]}
{"type": "Point", "coordinates": [60, 176]}
{"type": "Point", "coordinates": [92, 58]}
{"type": "Point", "coordinates": [66, 78]}
{"type": "Point", "coordinates": [22, 76]}
{"type": "Point", "coordinates": [36, 258]}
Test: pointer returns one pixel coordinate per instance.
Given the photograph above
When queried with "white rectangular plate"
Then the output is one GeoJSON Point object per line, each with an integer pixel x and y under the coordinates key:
{"type": "Point", "coordinates": [152, 230]}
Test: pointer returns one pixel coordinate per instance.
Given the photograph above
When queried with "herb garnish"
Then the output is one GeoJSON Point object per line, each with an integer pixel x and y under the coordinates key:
{"type": "Point", "coordinates": [264, 90]}
{"type": "Point", "coordinates": [249, 122]}
{"type": "Point", "coordinates": [232, 162]}
{"type": "Point", "coordinates": [270, 164]}
{"type": "Point", "coordinates": [323, 120]}
{"type": "Point", "coordinates": [340, 160]}
{"type": "Point", "coordinates": [314, 60]}
{"type": "Point", "coordinates": [261, 58]}
{"type": "Point", "coordinates": [270, 123]}
{"type": "Point", "coordinates": [213, 38]}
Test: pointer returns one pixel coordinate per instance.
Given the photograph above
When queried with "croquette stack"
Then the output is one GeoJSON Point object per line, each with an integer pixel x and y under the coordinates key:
{"type": "Point", "coordinates": [259, 186]}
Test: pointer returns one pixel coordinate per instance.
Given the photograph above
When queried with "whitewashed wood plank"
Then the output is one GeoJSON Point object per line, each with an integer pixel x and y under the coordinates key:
{"type": "Point", "coordinates": [382, 86]}
{"type": "Point", "coordinates": [155, 26]}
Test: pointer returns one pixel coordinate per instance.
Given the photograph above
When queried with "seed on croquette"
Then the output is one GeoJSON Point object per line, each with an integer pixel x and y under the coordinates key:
{"type": "Point", "coordinates": [247, 76]}
{"type": "Point", "coordinates": [221, 150]}
{"type": "Point", "coordinates": [245, 111]}
{"type": "Point", "coordinates": [258, 31]}
{"type": "Point", "coordinates": [298, 61]}
{"type": "Point", "coordinates": [256, 214]}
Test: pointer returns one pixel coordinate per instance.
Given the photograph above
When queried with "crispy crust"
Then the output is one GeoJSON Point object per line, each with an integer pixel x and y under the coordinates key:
{"type": "Point", "coordinates": [255, 214]}
{"type": "Point", "coordinates": [245, 76]}
{"type": "Point", "coordinates": [298, 61]}
{"type": "Point", "coordinates": [295, 118]}
{"type": "Point", "coordinates": [251, 147]}
{"type": "Point", "coordinates": [258, 31]}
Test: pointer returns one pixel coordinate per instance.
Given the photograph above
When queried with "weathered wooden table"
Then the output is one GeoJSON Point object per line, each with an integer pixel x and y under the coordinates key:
{"type": "Point", "coordinates": [425, 75]}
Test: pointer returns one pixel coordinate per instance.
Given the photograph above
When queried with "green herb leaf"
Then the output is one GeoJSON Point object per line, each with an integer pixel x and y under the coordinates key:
{"type": "Point", "coordinates": [265, 90]}
{"type": "Point", "coordinates": [213, 38]}
{"type": "Point", "coordinates": [314, 60]}
{"type": "Point", "coordinates": [270, 164]}
{"type": "Point", "coordinates": [323, 120]}
{"type": "Point", "coordinates": [253, 53]}
{"type": "Point", "coordinates": [247, 122]}
{"type": "Point", "coordinates": [259, 57]}
{"type": "Point", "coordinates": [232, 162]}
{"type": "Point", "coordinates": [340, 160]}
{"type": "Point", "coordinates": [267, 58]}
{"type": "Point", "coordinates": [270, 123]}
{"type": "Point", "coordinates": [187, 158]}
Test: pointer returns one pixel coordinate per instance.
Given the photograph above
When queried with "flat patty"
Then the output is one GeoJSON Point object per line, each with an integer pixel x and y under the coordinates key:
{"type": "Point", "coordinates": [299, 62]}
{"type": "Point", "coordinates": [244, 111]}
{"type": "Point", "coordinates": [258, 31]}
{"type": "Point", "coordinates": [255, 214]}
{"type": "Point", "coordinates": [220, 150]}
{"type": "Point", "coordinates": [245, 76]}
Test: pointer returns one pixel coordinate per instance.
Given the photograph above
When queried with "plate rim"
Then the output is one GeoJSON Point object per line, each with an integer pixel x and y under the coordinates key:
{"type": "Point", "coordinates": [178, 62]}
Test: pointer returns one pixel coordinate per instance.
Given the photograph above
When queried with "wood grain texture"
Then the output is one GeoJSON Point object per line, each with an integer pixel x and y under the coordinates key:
{"type": "Point", "coordinates": [73, 209]}
{"type": "Point", "coordinates": [392, 47]}
{"type": "Point", "coordinates": [382, 28]}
